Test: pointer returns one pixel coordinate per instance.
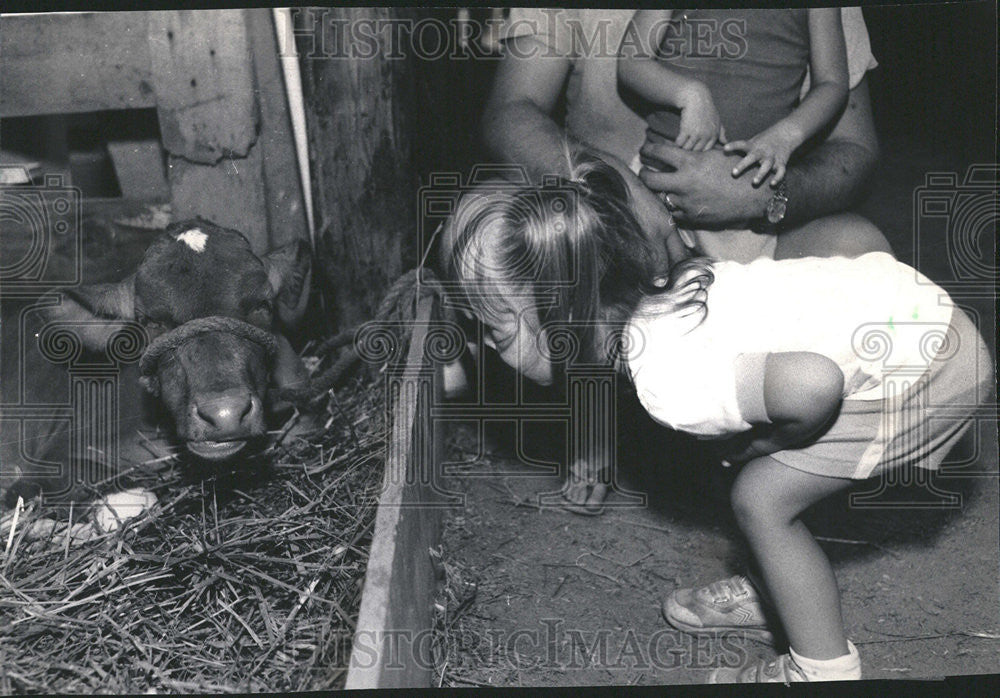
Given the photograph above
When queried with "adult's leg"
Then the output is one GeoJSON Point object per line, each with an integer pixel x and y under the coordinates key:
{"type": "Point", "coordinates": [842, 234]}
{"type": "Point", "coordinates": [768, 498]}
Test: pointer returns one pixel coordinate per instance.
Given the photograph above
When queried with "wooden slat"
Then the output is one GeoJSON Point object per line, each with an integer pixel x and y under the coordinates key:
{"type": "Point", "coordinates": [139, 168]}
{"type": "Point", "coordinates": [66, 63]}
{"type": "Point", "coordinates": [230, 194]}
{"type": "Point", "coordinates": [207, 106]}
{"type": "Point", "coordinates": [400, 580]}
{"type": "Point", "coordinates": [203, 79]}
{"type": "Point", "coordinates": [286, 214]}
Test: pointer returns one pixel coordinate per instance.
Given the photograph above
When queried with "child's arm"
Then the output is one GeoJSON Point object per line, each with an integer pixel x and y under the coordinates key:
{"type": "Point", "coordinates": [640, 71]}
{"type": "Point", "coordinates": [802, 391]}
{"type": "Point", "coordinates": [826, 97]}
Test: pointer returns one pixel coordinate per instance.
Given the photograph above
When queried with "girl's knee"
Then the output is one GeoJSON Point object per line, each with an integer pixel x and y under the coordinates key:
{"type": "Point", "coordinates": [763, 499]}
{"type": "Point", "coordinates": [750, 501]}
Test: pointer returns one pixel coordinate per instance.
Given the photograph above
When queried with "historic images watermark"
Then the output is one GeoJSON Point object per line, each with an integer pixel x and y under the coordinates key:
{"type": "Point", "coordinates": [549, 645]}
{"type": "Point", "coordinates": [323, 33]}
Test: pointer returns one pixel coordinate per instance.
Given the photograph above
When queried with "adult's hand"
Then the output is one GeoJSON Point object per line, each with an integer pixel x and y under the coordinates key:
{"type": "Point", "coordinates": [830, 177]}
{"type": "Point", "coordinates": [701, 187]}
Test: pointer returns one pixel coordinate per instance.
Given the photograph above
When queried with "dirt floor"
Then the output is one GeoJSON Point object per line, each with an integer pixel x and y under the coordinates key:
{"type": "Point", "coordinates": [571, 600]}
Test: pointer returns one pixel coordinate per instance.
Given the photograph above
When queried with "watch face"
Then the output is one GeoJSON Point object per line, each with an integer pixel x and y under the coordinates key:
{"type": "Point", "coordinates": [776, 209]}
{"type": "Point", "coordinates": [777, 205]}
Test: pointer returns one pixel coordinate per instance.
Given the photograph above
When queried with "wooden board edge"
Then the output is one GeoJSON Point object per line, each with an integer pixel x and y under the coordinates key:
{"type": "Point", "coordinates": [378, 621]}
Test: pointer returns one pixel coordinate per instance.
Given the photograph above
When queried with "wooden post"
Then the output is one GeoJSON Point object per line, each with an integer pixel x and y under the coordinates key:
{"type": "Point", "coordinates": [359, 113]}
{"type": "Point", "coordinates": [224, 122]}
{"type": "Point", "coordinates": [204, 83]}
{"type": "Point", "coordinates": [286, 213]}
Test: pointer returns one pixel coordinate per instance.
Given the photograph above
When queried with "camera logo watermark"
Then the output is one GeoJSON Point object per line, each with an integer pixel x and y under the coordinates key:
{"type": "Point", "coordinates": [37, 220]}
{"type": "Point", "coordinates": [60, 407]}
{"type": "Point", "coordinates": [957, 217]}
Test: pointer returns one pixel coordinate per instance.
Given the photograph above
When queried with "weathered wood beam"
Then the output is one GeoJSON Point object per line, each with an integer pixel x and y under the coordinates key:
{"type": "Point", "coordinates": [395, 619]}
{"type": "Point", "coordinates": [359, 113]}
{"type": "Point", "coordinates": [207, 104]}
{"type": "Point", "coordinates": [286, 213]}
{"type": "Point", "coordinates": [69, 63]}
{"type": "Point", "coordinates": [204, 83]}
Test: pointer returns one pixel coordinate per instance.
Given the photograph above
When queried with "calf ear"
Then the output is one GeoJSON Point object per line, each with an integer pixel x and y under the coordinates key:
{"type": "Point", "coordinates": [98, 309]}
{"type": "Point", "coordinates": [289, 271]}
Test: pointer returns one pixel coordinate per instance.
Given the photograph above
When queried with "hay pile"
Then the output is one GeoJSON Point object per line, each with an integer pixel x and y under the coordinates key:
{"type": "Point", "coordinates": [249, 580]}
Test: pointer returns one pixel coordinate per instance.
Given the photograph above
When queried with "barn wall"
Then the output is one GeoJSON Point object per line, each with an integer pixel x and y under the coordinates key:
{"type": "Point", "coordinates": [360, 118]}
{"type": "Point", "coordinates": [213, 78]}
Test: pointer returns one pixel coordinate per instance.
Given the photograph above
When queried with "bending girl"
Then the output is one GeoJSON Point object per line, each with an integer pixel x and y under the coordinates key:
{"type": "Point", "coordinates": [809, 373]}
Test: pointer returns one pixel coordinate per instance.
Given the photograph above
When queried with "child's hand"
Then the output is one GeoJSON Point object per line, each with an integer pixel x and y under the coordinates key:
{"type": "Point", "coordinates": [700, 125]}
{"type": "Point", "coordinates": [726, 452]}
{"type": "Point", "coordinates": [737, 449]}
{"type": "Point", "coordinates": [771, 149]}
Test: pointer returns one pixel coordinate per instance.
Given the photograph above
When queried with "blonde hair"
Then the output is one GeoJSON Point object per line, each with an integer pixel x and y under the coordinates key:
{"type": "Point", "coordinates": [572, 247]}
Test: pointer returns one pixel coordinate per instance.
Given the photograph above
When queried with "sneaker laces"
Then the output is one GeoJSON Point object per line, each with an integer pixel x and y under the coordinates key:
{"type": "Point", "coordinates": [727, 590]}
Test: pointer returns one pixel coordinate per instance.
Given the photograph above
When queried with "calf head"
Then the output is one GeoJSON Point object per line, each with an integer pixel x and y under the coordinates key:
{"type": "Point", "coordinates": [211, 374]}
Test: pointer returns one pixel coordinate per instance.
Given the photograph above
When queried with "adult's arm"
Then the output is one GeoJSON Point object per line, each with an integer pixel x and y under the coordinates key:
{"type": "Point", "coordinates": [518, 128]}
{"type": "Point", "coordinates": [829, 178]}
{"type": "Point", "coordinates": [517, 125]}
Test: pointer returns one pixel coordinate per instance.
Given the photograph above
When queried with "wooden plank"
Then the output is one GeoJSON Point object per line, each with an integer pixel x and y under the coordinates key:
{"type": "Point", "coordinates": [395, 618]}
{"type": "Point", "coordinates": [360, 117]}
{"type": "Point", "coordinates": [139, 167]}
{"type": "Point", "coordinates": [204, 82]}
{"type": "Point", "coordinates": [67, 63]}
{"type": "Point", "coordinates": [203, 78]}
{"type": "Point", "coordinates": [286, 214]}
{"type": "Point", "coordinates": [230, 194]}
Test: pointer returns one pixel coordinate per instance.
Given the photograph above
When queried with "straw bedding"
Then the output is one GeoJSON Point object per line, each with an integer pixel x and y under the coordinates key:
{"type": "Point", "coordinates": [248, 579]}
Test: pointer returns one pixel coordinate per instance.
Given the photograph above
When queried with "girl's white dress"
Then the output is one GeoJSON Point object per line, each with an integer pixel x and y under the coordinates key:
{"type": "Point", "coordinates": [915, 368]}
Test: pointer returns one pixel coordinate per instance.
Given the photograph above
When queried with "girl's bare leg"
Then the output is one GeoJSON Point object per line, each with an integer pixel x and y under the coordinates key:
{"type": "Point", "coordinates": [768, 498]}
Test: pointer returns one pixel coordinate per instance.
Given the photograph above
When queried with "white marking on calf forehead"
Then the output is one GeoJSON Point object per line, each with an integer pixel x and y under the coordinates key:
{"type": "Point", "coordinates": [193, 238]}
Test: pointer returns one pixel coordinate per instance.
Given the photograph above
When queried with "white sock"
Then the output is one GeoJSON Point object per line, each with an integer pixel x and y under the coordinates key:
{"type": "Point", "coordinates": [845, 668]}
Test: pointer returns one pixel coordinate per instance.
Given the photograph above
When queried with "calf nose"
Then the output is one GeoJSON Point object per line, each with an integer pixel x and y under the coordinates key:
{"type": "Point", "coordinates": [225, 413]}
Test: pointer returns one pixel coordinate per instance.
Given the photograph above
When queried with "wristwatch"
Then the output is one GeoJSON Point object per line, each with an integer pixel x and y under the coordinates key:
{"type": "Point", "coordinates": [777, 206]}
